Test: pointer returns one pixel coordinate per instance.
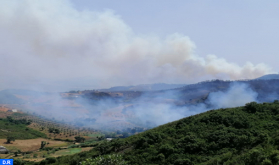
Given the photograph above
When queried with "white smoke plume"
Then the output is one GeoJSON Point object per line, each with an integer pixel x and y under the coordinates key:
{"type": "Point", "coordinates": [237, 95]}
{"type": "Point", "coordinates": [52, 44]}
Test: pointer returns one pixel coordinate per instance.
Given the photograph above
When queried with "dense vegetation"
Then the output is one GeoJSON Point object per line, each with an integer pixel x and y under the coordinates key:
{"type": "Point", "coordinates": [242, 135]}
{"type": "Point", "coordinates": [18, 129]}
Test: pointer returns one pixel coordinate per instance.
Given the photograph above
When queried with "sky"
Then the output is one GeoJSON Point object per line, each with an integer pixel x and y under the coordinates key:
{"type": "Point", "coordinates": [88, 44]}
{"type": "Point", "coordinates": [237, 30]}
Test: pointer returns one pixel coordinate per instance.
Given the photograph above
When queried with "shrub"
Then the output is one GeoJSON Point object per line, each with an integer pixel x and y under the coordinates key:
{"type": "Point", "coordinates": [106, 159]}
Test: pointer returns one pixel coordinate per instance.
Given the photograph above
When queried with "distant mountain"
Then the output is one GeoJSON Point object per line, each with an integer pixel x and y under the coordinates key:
{"type": "Point", "coordinates": [144, 87]}
{"type": "Point", "coordinates": [22, 92]}
{"type": "Point", "coordinates": [7, 97]}
{"type": "Point", "coordinates": [267, 90]}
{"type": "Point", "coordinates": [268, 77]}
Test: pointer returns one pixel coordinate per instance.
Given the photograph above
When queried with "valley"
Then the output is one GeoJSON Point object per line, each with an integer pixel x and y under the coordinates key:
{"type": "Point", "coordinates": [58, 119]}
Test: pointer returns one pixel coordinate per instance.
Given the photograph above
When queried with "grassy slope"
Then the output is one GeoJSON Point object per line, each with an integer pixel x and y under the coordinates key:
{"type": "Point", "coordinates": [19, 131]}
{"type": "Point", "coordinates": [242, 135]}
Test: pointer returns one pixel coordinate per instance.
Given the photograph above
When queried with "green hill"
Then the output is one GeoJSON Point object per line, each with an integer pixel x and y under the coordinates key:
{"type": "Point", "coordinates": [18, 129]}
{"type": "Point", "coordinates": [242, 135]}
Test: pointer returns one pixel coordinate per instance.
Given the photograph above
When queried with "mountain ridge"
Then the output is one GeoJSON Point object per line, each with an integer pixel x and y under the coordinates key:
{"type": "Point", "coordinates": [268, 77]}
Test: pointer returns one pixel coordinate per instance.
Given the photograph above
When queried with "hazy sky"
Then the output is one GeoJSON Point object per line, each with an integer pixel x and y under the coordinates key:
{"type": "Point", "coordinates": [85, 44]}
{"type": "Point", "coordinates": [238, 30]}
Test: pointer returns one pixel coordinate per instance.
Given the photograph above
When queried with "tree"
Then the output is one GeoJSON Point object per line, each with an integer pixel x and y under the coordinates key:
{"type": "Point", "coordinates": [43, 143]}
{"type": "Point", "coordinates": [9, 139]}
{"type": "Point", "coordinates": [50, 130]}
{"type": "Point", "coordinates": [53, 130]}
{"type": "Point", "coordinates": [125, 134]}
{"type": "Point", "coordinates": [16, 154]}
{"type": "Point", "coordinates": [79, 139]}
{"type": "Point", "coordinates": [10, 119]}
{"type": "Point", "coordinates": [57, 131]}
{"type": "Point", "coordinates": [101, 138]}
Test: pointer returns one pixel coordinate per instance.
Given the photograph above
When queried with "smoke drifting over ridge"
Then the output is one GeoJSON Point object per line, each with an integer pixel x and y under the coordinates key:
{"type": "Point", "coordinates": [146, 111]}
{"type": "Point", "coordinates": [237, 95]}
{"type": "Point", "coordinates": [51, 45]}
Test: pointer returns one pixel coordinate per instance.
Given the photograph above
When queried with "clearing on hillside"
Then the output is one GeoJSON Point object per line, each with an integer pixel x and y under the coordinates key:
{"type": "Point", "coordinates": [31, 144]}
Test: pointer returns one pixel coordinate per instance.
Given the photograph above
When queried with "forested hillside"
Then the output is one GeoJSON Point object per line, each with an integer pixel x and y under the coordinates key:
{"type": "Point", "coordinates": [242, 135]}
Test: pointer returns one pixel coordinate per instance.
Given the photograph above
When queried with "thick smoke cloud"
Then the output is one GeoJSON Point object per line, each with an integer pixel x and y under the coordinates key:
{"type": "Point", "coordinates": [152, 115]}
{"type": "Point", "coordinates": [238, 94]}
{"type": "Point", "coordinates": [144, 111]}
{"type": "Point", "coordinates": [50, 45]}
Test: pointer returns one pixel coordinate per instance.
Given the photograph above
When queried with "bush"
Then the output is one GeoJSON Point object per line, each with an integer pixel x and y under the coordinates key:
{"type": "Point", "coordinates": [35, 156]}
{"type": "Point", "coordinates": [106, 159]}
{"type": "Point", "coordinates": [51, 160]}
{"type": "Point", "coordinates": [251, 107]}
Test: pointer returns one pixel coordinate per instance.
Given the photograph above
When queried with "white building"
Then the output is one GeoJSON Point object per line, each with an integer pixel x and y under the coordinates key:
{"type": "Point", "coordinates": [14, 110]}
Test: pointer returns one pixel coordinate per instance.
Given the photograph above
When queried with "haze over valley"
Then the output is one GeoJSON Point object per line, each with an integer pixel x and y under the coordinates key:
{"type": "Point", "coordinates": [127, 108]}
